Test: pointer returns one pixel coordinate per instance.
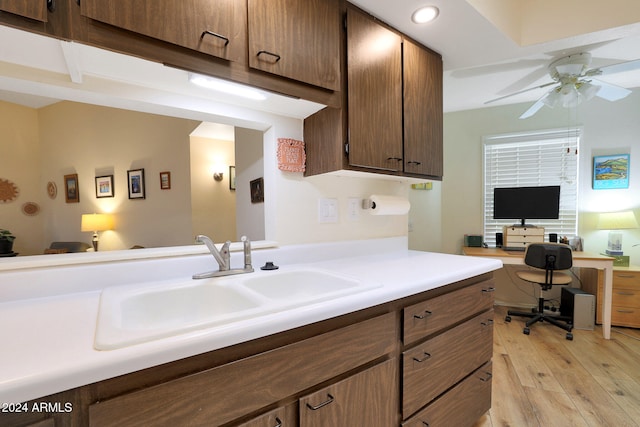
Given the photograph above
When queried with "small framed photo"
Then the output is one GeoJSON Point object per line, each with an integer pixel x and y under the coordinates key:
{"type": "Point", "coordinates": [232, 178]}
{"type": "Point", "coordinates": [135, 180]}
{"type": "Point", "coordinates": [257, 190]}
{"type": "Point", "coordinates": [71, 191]}
{"type": "Point", "coordinates": [165, 180]}
{"type": "Point", "coordinates": [104, 186]}
{"type": "Point", "coordinates": [611, 172]}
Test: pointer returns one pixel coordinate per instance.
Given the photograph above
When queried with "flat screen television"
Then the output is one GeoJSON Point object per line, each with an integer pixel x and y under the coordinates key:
{"type": "Point", "coordinates": [523, 203]}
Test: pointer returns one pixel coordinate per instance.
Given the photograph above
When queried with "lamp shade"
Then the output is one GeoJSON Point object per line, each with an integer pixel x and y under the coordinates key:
{"type": "Point", "coordinates": [96, 222]}
{"type": "Point", "coordinates": [617, 220]}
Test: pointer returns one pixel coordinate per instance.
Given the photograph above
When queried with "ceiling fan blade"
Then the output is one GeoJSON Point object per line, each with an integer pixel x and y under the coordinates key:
{"type": "Point", "coordinates": [519, 92]}
{"type": "Point", "coordinates": [609, 91]}
{"type": "Point", "coordinates": [615, 68]}
{"type": "Point", "coordinates": [535, 107]}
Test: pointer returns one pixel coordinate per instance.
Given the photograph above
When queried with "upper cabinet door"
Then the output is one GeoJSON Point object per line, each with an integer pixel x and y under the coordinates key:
{"type": "Point", "coordinates": [214, 27]}
{"type": "Point", "coordinates": [34, 9]}
{"type": "Point", "coordinates": [422, 111]}
{"type": "Point", "coordinates": [374, 68]}
{"type": "Point", "coordinates": [298, 39]}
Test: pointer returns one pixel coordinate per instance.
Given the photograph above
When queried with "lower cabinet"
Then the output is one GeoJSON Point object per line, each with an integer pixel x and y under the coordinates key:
{"type": "Point", "coordinates": [424, 360]}
{"type": "Point", "coordinates": [360, 400]}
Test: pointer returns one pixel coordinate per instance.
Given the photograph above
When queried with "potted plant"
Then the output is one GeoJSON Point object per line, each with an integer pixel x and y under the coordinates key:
{"type": "Point", "coordinates": [6, 241]}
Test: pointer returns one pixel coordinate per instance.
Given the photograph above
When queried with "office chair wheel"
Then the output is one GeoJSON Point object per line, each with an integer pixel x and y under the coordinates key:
{"type": "Point", "coordinates": [569, 336]}
{"type": "Point", "coordinates": [526, 331]}
{"type": "Point", "coordinates": [507, 319]}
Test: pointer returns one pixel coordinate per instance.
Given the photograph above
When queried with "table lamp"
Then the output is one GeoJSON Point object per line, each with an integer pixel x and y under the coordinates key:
{"type": "Point", "coordinates": [96, 222]}
{"type": "Point", "coordinates": [613, 221]}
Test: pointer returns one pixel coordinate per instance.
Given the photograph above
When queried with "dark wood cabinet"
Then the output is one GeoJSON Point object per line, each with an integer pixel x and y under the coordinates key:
{"type": "Point", "coordinates": [33, 9]}
{"type": "Point", "coordinates": [297, 39]}
{"type": "Point", "coordinates": [393, 120]}
{"type": "Point", "coordinates": [374, 97]}
{"type": "Point", "coordinates": [423, 111]}
{"type": "Point", "coordinates": [214, 27]}
{"type": "Point", "coordinates": [359, 400]}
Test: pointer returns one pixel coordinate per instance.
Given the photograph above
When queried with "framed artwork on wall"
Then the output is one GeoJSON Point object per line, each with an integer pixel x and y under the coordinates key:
{"type": "Point", "coordinates": [104, 186]}
{"type": "Point", "coordinates": [165, 180]}
{"type": "Point", "coordinates": [232, 178]}
{"type": "Point", "coordinates": [135, 180]}
{"type": "Point", "coordinates": [257, 190]}
{"type": "Point", "coordinates": [71, 192]}
{"type": "Point", "coordinates": [611, 172]}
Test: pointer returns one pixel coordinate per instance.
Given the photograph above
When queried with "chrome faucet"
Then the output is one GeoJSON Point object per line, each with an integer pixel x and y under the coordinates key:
{"type": "Point", "coordinates": [223, 258]}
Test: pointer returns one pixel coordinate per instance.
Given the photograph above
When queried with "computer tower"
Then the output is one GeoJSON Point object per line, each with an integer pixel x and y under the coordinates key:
{"type": "Point", "coordinates": [580, 305]}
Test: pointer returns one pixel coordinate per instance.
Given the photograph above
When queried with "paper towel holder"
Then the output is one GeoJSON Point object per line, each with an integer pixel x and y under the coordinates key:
{"type": "Point", "coordinates": [368, 204]}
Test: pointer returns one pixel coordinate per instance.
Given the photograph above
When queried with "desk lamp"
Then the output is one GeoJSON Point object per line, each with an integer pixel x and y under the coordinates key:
{"type": "Point", "coordinates": [96, 222]}
{"type": "Point", "coordinates": [613, 221]}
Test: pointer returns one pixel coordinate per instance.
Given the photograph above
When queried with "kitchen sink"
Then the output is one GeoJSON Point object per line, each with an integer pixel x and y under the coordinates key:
{"type": "Point", "coordinates": [137, 313]}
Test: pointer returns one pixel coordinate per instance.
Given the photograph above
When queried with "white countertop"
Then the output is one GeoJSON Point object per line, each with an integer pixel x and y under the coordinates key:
{"type": "Point", "coordinates": [48, 332]}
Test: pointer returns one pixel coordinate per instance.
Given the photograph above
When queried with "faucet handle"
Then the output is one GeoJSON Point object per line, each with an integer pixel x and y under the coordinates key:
{"type": "Point", "coordinates": [247, 252]}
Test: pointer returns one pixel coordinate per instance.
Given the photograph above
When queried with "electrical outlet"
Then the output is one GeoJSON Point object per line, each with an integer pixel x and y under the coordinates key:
{"type": "Point", "coordinates": [327, 210]}
{"type": "Point", "coordinates": [353, 208]}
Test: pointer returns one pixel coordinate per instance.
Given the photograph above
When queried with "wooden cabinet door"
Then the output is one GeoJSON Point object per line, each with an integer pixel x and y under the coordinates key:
{"type": "Point", "coordinates": [279, 417]}
{"type": "Point", "coordinates": [214, 27]}
{"type": "Point", "coordinates": [422, 111]}
{"type": "Point", "coordinates": [368, 398]}
{"type": "Point", "coordinates": [34, 9]}
{"type": "Point", "coordinates": [298, 39]}
{"type": "Point", "coordinates": [374, 68]}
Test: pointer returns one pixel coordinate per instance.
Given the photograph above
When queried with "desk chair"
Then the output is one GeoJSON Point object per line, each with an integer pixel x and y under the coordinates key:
{"type": "Point", "coordinates": [546, 259]}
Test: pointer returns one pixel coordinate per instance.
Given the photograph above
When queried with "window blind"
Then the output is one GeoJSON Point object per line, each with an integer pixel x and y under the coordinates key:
{"type": "Point", "coordinates": [532, 160]}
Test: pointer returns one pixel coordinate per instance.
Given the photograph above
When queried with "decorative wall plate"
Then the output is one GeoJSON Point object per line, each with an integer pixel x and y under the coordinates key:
{"type": "Point", "coordinates": [8, 191]}
{"type": "Point", "coordinates": [30, 208]}
{"type": "Point", "coordinates": [52, 189]}
{"type": "Point", "coordinates": [291, 155]}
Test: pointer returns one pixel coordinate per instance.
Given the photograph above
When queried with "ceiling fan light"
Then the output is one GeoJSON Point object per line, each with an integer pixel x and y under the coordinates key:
{"type": "Point", "coordinates": [588, 91]}
{"type": "Point", "coordinates": [552, 98]}
{"type": "Point", "coordinates": [425, 14]}
{"type": "Point", "coordinates": [570, 98]}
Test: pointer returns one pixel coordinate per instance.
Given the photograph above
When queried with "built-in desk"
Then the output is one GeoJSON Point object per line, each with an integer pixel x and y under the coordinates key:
{"type": "Point", "coordinates": [580, 259]}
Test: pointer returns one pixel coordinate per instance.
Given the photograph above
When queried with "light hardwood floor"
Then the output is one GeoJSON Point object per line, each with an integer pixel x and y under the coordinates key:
{"type": "Point", "coordinates": [544, 380]}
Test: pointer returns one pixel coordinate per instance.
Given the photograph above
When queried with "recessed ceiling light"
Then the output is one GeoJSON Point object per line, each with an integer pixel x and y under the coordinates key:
{"type": "Point", "coordinates": [425, 14]}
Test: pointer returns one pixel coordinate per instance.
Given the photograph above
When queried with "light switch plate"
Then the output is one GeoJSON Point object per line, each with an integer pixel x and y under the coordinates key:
{"type": "Point", "coordinates": [353, 208]}
{"type": "Point", "coordinates": [327, 210]}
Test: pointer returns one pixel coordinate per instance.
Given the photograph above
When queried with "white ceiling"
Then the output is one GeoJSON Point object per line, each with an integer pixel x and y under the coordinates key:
{"type": "Point", "coordinates": [480, 62]}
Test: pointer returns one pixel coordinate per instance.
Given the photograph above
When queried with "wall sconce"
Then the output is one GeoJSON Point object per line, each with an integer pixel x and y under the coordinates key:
{"type": "Point", "coordinates": [96, 222]}
{"type": "Point", "coordinates": [218, 176]}
{"type": "Point", "coordinates": [616, 221]}
{"type": "Point", "coordinates": [218, 171]}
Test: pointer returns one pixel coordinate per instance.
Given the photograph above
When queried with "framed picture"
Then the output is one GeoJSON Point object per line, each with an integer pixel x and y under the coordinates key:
{"type": "Point", "coordinates": [71, 191]}
{"type": "Point", "coordinates": [232, 178]}
{"type": "Point", "coordinates": [165, 180]}
{"type": "Point", "coordinates": [610, 172]}
{"type": "Point", "coordinates": [136, 183]}
{"type": "Point", "coordinates": [104, 186]}
{"type": "Point", "coordinates": [257, 190]}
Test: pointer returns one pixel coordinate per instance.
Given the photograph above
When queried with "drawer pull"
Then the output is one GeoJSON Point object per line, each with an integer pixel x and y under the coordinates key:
{"type": "Point", "coordinates": [279, 422]}
{"type": "Point", "coordinates": [427, 313]}
{"type": "Point", "coordinates": [413, 162]}
{"type": "Point", "coordinates": [491, 289]}
{"type": "Point", "coordinates": [625, 276]}
{"type": "Point", "coordinates": [320, 405]}
{"type": "Point", "coordinates": [489, 322]}
{"type": "Point", "coordinates": [211, 33]}
{"type": "Point", "coordinates": [266, 52]}
{"type": "Point", "coordinates": [425, 423]}
{"type": "Point", "coordinates": [422, 359]}
{"type": "Point", "coordinates": [626, 294]}
{"type": "Point", "coordinates": [488, 377]}
{"type": "Point", "coordinates": [626, 311]}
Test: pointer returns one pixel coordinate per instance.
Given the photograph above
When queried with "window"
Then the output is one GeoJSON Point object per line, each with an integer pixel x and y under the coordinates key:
{"type": "Point", "coordinates": [531, 160]}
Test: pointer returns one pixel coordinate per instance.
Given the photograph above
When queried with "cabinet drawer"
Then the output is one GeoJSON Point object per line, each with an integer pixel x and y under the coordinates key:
{"type": "Point", "coordinates": [230, 391]}
{"type": "Point", "coordinates": [430, 316]}
{"type": "Point", "coordinates": [364, 399]}
{"type": "Point", "coordinates": [625, 316]}
{"type": "Point", "coordinates": [434, 366]}
{"type": "Point", "coordinates": [524, 231]}
{"type": "Point", "coordinates": [461, 406]}
{"type": "Point", "coordinates": [626, 297]}
{"type": "Point", "coordinates": [283, 417]}
{"type": "Point", "coordinates": [626, 279]}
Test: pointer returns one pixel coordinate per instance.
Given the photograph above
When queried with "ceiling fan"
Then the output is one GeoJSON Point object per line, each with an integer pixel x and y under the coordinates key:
{"type": "Point", "coordinates": [575, 82]}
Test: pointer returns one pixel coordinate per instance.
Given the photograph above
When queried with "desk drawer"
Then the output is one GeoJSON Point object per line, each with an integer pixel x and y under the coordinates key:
{"type": "Point", "coordinates": [626, 280]}
{"type": "Point", "coordinates": [625, 316]}
{"type": "Point", "coordinates": [626, 297]}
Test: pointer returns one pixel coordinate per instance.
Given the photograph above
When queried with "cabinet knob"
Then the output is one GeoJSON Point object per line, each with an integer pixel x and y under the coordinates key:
{"type": "Point", "coordinates": [211, 33]}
